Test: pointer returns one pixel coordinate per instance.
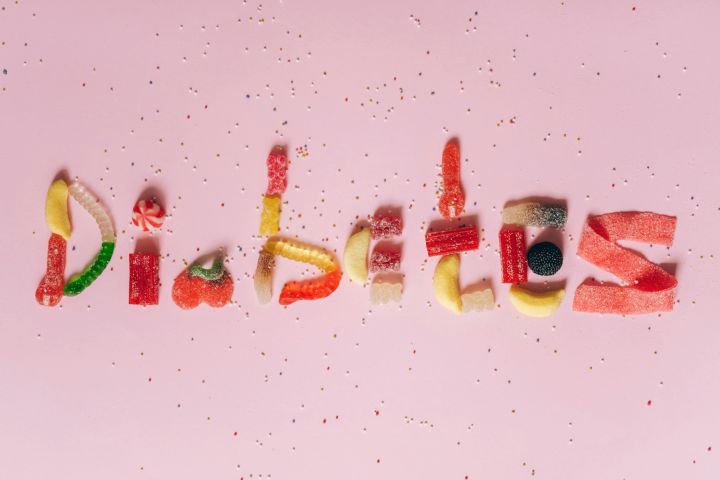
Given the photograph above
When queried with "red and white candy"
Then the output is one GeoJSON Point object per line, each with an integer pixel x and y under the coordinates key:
{"type": "Point", "coordinates": [148, 215]}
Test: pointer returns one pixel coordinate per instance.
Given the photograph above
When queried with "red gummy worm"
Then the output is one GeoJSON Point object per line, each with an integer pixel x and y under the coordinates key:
{"type": "Point", "coordinates": [277, 164]}
{"type": "Point", "coordinates": [144, 279]}
{"type": "Point", "coordinates": [650, 288]}
{"type": "Point", "coordinates": [50, 290]}
{"type": "Point", "coordinates": [445, 242]}
{"type": "Point", "coordinates": [312, 289]}
{"type": "Point", "coordinates": [512, 255]}
{"type": "Point", "coordinates": [452, 200]}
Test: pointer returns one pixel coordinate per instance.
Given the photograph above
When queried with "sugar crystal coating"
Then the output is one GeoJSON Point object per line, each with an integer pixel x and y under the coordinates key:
{"type": "Point", "coordinates": [144, 287]}
{"type": "Point", "coordinates": [385, 260]}
{"type": "Point", "coordinates": [512, 255]}
{"type": "Point", "coordinates": [277, 165]}
{"type": "Point", "coordinates": [535, 214]}
{"type": "Point", "coordinates": [452, 200]}
{"type": "Point", "coordinates": [385, 226]}
{"type": "Point", "coordinates": [445, 242]}
{"type": "Point", "coordinates": [50, 290]}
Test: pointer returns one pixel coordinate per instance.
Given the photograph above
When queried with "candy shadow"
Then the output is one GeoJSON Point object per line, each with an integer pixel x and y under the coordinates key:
{"type": "Point", "coordinates": [552, 235]}
{"type": "Point", "coordinates": [154, 193]}
{"type": "Point", "coordinates": [389, 277]}
{"type": "Point", "coordinates": [148, 245]}
{"type": "Point", "coordinates": [464, 221]}
{"type": "Point", "coordinates": [538, 199]}
{"type": "Point", "coordinates": [541, 287]}
{"type": "Point", "coordinates": [478, 286]}
{"type": "Point", "coordinates": [208, 257]}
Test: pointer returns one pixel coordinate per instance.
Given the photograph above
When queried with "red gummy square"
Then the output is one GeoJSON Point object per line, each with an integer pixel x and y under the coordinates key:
{"type": "Point", "coordinates": [512, 255]}
{"type": "Point", "coordinates": [385, 226]}
{"type": "Point", "coordinates": [277, 165]}
{"type": "Point", "coordinates": [382, 260]}
{"type": "Point", "coordinates": [144, 279]}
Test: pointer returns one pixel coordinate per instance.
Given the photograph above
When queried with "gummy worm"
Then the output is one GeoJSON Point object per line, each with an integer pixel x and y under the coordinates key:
{"type": "Point", "coordinates": [80, 282]}
{"type": "Point", "coordinates": [301, 253]}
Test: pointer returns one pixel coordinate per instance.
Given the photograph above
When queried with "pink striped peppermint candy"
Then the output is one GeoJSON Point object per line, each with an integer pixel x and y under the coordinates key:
{"type": "Point", "coordinates": [148, 215]}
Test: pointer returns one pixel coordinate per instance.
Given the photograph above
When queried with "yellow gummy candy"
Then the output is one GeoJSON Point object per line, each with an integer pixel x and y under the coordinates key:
{"type": "Point", "coordinates": [56, 209]}
{"type": "Point", "coordinates": [270, 216]}
{"type": "Point", "coordinates": [446, 282]}
{"type": "Point", "coordinates": [301, 253]}
{"type": "Point", "coordinates": [355, 255]}
{"type": "Point", "coordinates": [536, 304]}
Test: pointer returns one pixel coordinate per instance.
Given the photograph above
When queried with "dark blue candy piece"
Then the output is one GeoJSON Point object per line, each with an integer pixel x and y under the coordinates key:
{"type": "Point", "coordinates": [544, 258]}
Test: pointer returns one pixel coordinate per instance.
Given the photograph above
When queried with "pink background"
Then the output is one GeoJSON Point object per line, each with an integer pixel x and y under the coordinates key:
{"type": "Point", "coordinates": [608, 105]}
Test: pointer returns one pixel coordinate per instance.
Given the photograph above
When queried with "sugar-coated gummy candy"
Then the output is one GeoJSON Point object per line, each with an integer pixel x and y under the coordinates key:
{"type": "Point", "coordinates": [277, 165]}
{"type": "Point", "coordinates": [264, 276]}
{"type": "Point", "coordinates": [50, 290]}
{"type": "Point", "coordinates": [215, 272]}
{"type": "Point", "coordinates": [77, 283]}
{"type": "Point", "coordinates": [270, 215]}
{"type": "Point", "coordinates": [384, 225]}
{"type": "Point", "coordinates": [312, 289]}
{"type": "Point", "coordinates": [446, 282]}
{"type": "Point", "coordinates": [355, 256]}
{"type": "Point", "coordinates": [445, 242]}
{"type": "Point", "coordinates": [302, 253]}
{"type": "Point", "coordinates": [384, 290]}
{"type": "Point", "coordinates": [189, 291]}
{"type": "Point", "coordinates": [452, 199]}
{"type": "Point", "coordinates": [148, 215]}
{"type": "Point", "coordinates": [536, 304]}
{"type": "Point", "coordinates": [56, 209]}
{"type": "Point", "coordinates": [144, 286]}
{"type": "Point", "coordinates": [477, 300]}
{"type": "Point", "coordinates": [544, 258]}
{"type": "Point", "coordinates": [512, 255]}
{"type": "Point", "coordinates": [648, 288]}
{"type": "Point", "coordinates": [535, 214]}
{"type": "Point", "coordinates": [385, 260]}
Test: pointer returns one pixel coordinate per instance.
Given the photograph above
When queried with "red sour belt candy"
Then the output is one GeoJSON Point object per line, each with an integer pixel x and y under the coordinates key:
{"type": "Point", "coordinates": [445, 242]}
{"type": "Point", "coordinates": [452, 200]}
{"type": "Point", "coordinates": [50, 290]}
{"type": "Point", "coordinates": [277, 165]}
{"type": "Point", "coordinates": [512, 255]}
{"type": "Point", "coordinates": [312, 289]}
{"type": "Point", "coordinates": [144, 279]}
{"type": "Point", "coordinates": [650, 288]}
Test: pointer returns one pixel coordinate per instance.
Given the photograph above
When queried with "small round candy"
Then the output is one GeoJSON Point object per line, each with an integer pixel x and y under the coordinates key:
{"type": "Point", "coordinates": [544, 258]}
{"type": "Point", "coordinates": [148, 215]}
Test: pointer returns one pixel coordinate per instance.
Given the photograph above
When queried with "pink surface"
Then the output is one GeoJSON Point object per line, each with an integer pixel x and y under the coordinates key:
{"type": "Point", "coordinates": [607, 105]}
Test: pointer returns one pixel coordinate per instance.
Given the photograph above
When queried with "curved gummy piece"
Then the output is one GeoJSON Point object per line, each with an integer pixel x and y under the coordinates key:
{"type": "Point", "coordinates": [651, 289]}
{"type": "Point", "coordinates": [80, 282]}
{"type": "Point", "coordinates": [445, 242]}
{"type": "Point", "coordinates": [446, 282]}
{"type": "Point", "coordinates": [95, 209]}
{"type": "Point", "coordinates": [452, 200]}
{"type": "Point", "coordinates": [213, 273]}
{"type": "Point", "coordinates": [263, 276]}
{"type": "Point", "coordinates": [477, 300]}
{"type": "Point", "coordinates": [535, 214]}
{"type": "Point", "coordinates": [312, 289]}
{"type": "Point", "coordinates": [270, 216]}
{"type": "Point", "coordinates": [56, 209]}
{"type": "Point", "coordinates": [301, 253]}
{"type": "Point", "coordinates": [536, 304]}
{"type": "Point", "coordinates": [355, 256]}
{"type": "Point", "coordinates": [50, 290]}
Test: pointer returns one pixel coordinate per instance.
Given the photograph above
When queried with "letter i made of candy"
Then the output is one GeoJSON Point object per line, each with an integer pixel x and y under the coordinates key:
{"type": "Point", "coordinates": [277, 166]}
{"type": "Point", "coordinates": [293, 291]}
{"type": "Point", "coordinates": [449, 243]}
{"type": "Point", "coordinates": [144, 267]}
{"type": "Point", "coordinates": [52, 287]}
{"type": "Point", "coordinates": [543, 258]}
